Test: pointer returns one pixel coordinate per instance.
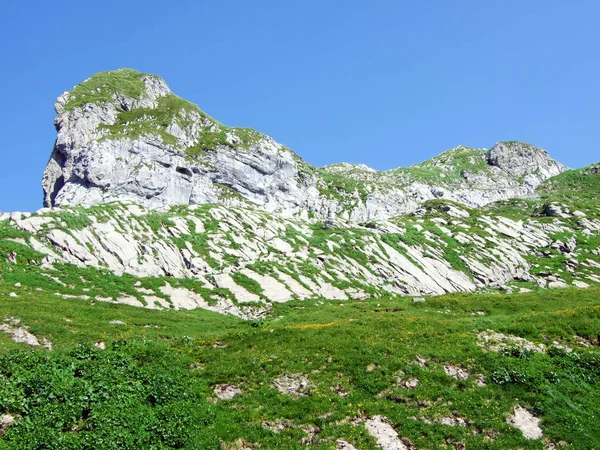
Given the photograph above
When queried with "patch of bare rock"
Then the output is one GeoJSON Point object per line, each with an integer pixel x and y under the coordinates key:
{"type": "Point", "coordinates": [422, 361]}
{"type": "Point", "coordinates": [226, 391]}
{"type": "Point", "coordinates": [585, 341]}
{"type": "Point", "coordinates": [495, 342]}
{"type": "Point", "coordinates": [409, 383]}
{"type": "Point", "coordinates": [480, 381]}
{"type": "Point", "coordinates": [456, 372]}
{"type": "Point", "coordinates": [343, 445]}
{"type": "Point", "coordinates": [277, 425]}
{"type": "Point", "coordinates": [372, 367]}
{"type": "Point", "coordinates": [6, 420]}
{"type": "Point", "coordinates": [526, 422]}
{"type": "Point", "coordinates": [339, 390]}
{"type": "Point", "coordinates": [550, 445]}
{"type": "Point", "coordinates": [454, 420]}
{"type": "Point", "coordinates": [117, 322]}
{"type": "Point", "coordinates": [21, 335]}
{"type": "Point", "coordinates": [387, 438]}
{"type": "Point", "coordinates": [294, 384]}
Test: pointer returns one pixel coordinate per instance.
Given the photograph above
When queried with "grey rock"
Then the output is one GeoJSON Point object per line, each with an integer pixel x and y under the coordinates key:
{"type": "Point", "coordinates": [20, 334]}
{"type": "Point", "coordinates": [226, 391]}
{"type": "Point", "coordinates": [520, 159]}
{"type": "Point", "coordinates": [526, 422]}
{"type": "Point", "coordinates": [118, 238]}
{"type": "Point", "coordinates": [117, 322]}
{"type": "Point", "coordinates": [294, 384]}
{"type": "Point", "coordinates": [89, 166]}
{"type": "Point", "coordinates": [387, 438]}
{"type": "Point", "coordinates": [553, 210]}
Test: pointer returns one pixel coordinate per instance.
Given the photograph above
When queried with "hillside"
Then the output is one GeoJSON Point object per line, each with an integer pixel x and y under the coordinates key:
{"type": "Point", "coordinates": [448, 372]}
{"type": "Point", "coordinates": [372, 369]}
{"type": "Point", "coordinates": [194, 285]}
{"type": "Point", "coordinates": [241, 261]}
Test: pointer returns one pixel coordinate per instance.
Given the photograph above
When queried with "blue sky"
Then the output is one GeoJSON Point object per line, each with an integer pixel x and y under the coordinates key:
{"type": "Point", "coordinates": [387, 83]}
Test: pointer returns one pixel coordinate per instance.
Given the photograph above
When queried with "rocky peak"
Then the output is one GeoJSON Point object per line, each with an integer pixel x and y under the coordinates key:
{"type": "Point", "coordinates": [126, 88]}
{"type": "Point", "coordinates": [124, 136]}
{"type": "Point", "coordinates": [520, 159]}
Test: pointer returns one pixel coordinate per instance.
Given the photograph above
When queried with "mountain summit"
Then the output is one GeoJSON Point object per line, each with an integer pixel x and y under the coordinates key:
{"type": "Point", "coordinates": [123, 135]}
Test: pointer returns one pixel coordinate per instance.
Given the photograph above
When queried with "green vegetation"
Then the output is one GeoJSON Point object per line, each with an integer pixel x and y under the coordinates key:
{"type": "Point", "coordinates": [156, 221]}
{"type": "Point", "coordinates": [247, 283]}
{"type": "Point", "coordinates": [228, 193]}
{"type": "Point", "coordinates": [580, 189]}
{"type": "Point", "coordinates": [154, 121]}
{"type": "Point", "coordinates": [447, 168]}
{"type": "Point", "coordinates": [75, 220]}
{"type": "Point", "coordinates": [153, 384]}
{"type": "Point", "coordinates": [210, 140]}
{"type": "Point", "coordinates": [148, 121]}
{"type": "Point", "coordinates": [152, 387]}
{"type": "Point", "coordinates": [104, 86]}
{"type": "Point", "coordinates": [340, 186]}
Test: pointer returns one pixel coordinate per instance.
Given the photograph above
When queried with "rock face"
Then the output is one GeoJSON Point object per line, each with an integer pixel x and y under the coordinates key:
{"type": "Point", "coordinates": [124, 136]}
{"type": "Point", "coordinates": [522, 160]}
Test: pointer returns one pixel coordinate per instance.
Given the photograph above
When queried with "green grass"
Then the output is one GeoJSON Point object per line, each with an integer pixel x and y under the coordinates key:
{"type": "Point", "coordinates": [579, 189]}
{"type": "Point", "coordinates": [448, 167]}
{"type": "Point", "coordinates": [339, 186]}
{"type": "Point", "coordinates": [147, 121]}
{"type": "Point", "coordinates": [103, 86]}
{"type": "Point", "coordinates": [151, 387]}
{"type": "Point", "coordinates": [247, 283]}
{"type": "Point", "coordinates": [75, 220]}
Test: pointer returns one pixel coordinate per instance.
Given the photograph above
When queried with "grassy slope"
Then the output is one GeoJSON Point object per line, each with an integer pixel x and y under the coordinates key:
{"type": "Point", "coordinates": [578, 188]}
{"type": "Point", "coordinates": [150, 388]}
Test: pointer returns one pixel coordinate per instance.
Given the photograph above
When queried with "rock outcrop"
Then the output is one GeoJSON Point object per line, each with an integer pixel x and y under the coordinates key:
{"type": "Point", "coordinates": [124, 136]}
{"type": "Point", "coordinates": [242, 260]}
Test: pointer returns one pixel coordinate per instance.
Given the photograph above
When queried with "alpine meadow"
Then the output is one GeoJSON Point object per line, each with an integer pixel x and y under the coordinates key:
{"type": "Point", "coordinates": [192, 285]}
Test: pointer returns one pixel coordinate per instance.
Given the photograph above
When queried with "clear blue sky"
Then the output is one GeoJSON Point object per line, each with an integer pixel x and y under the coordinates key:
{"type": "Point", "coordinates": [387, 83]}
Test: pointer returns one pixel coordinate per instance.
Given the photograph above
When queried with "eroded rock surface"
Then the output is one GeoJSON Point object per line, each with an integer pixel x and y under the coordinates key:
{"type": "Point", "coordinates": [20, 333]}
{"type": "Point", "coordinates": [526, 422]}
{"type": "Point", "coordinates": [495, 342]}
{"type": "Point", "coordinates": [387, 438]}
{"type": "Point", "coordinates": [226, 391]}
{"type": "Point", "coordinates": [245, 259]}
{"type": "Point", "coordinates": [292, 384]}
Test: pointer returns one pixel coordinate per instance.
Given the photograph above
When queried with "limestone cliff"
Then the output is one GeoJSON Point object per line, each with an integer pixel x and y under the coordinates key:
{"type": "Point", "coordinates": [124, 136]}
